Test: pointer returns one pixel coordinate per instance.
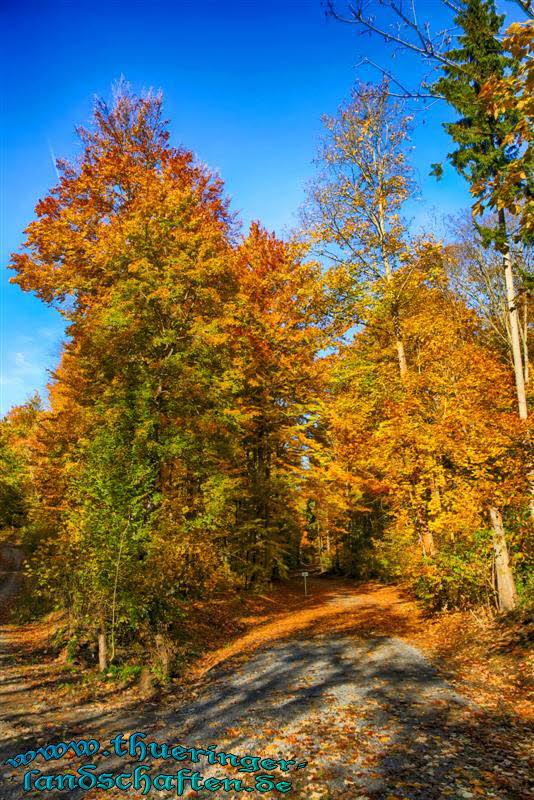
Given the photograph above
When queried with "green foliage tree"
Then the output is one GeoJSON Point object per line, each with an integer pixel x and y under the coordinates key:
{"type": "Point", "coordinates": [484, 152]}
{"type": "Point", "coordinates": [15, 457]}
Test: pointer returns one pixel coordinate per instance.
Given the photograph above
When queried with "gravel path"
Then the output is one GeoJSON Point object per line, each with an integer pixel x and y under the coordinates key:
{"type": "Point", "coordinates": [369, 714]}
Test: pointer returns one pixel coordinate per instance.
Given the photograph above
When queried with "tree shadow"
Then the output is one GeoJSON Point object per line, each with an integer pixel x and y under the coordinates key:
{"type": "Point", "coordinates": [371, 716]}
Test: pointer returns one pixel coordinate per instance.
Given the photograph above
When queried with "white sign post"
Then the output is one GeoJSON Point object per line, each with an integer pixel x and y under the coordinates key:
{"type": "Point", "coordinates": [305, 575]}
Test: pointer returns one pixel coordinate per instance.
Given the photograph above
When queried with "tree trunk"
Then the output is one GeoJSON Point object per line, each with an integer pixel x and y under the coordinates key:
{"type": "Point", "coordinates": [395, 316]}
{"type": "Point", "coordinates": [425, 534]}
{"type": "Point", "coordinates": [102, 649]}
{"type": "Point", "coordinates": [513, 316]}
{"type": "Point", "coordinates": [525, 338]}
{"type": "Point", "coordinates": [427, 541]}
{"type": "Point", "coordinates": [506, 591]}
{"type": "Point", "coordinates": [421, 519]}
{"type": "Point", "coordinates": [519, 368]}
{"type": "Point", "coordinates": [164, 654]}
{"type": "Point", "coordinates": [399, 343]}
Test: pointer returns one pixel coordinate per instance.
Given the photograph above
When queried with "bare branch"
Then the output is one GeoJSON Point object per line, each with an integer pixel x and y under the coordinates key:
{"type": "Point", "coordinates": [425, 44]}
{"type": "Point", "coordinates": [526, 6]}
{"type": "Point", "coordinates": [453, 6]}
{"type": "Point", "coordinates": [407, 94]}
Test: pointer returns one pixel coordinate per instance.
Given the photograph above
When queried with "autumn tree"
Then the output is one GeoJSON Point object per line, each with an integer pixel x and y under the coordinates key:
{"type": "Point", "coordinates": [487, 143]}
{"type": "Point", "coordinates": [441, 452]}
{"type": "Point", "coordinates": [170, 461]}
{"type": "Point", "coordinates": [354, 205]}
{"type": "Point", "coordinates": [487, 137]}
{"type": "Point", "coordinates": [133, 248]}
{"type": "Point", "coordinates": [355, 219]}
{"type": "Point", "coordinates": [278, 326]}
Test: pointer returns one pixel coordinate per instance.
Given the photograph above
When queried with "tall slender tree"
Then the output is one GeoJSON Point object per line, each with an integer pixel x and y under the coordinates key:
{"type": "Point", "coordinates": [355, 203]}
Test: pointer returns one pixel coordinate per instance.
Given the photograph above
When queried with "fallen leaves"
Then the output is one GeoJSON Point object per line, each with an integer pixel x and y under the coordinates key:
{"type": "Point", "coordinates": [385, 745]}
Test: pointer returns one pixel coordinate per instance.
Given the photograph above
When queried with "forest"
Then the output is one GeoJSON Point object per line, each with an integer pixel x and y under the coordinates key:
{"type": "Point", "coordinates": [231, 406]}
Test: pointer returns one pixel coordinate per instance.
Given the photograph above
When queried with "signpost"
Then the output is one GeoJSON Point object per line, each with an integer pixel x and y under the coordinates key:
{"type": "Point", "coordinates": [305, 575]}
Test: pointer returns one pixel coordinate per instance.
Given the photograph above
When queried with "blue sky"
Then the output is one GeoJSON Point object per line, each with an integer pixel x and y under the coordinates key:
{"type": "Point", "coordinates": [245, 84]}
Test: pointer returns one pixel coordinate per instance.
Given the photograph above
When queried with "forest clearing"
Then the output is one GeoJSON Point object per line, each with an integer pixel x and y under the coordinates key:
{"type": "Point", "coordinates": [270, 503]}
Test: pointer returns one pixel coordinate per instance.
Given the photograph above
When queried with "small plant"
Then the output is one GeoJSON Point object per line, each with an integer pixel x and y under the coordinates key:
{"type": "Point", "coordinates": [123, 673]}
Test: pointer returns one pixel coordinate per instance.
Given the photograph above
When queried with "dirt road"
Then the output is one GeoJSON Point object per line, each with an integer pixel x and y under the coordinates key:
{"type": "Point", "coordinates": [333, 684]}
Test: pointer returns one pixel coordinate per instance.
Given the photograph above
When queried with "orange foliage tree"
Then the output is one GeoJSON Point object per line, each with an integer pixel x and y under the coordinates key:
{"type": "Point", "coordinates": [174, 442]}
{"type": "Point", "coordinates": [443, 450]}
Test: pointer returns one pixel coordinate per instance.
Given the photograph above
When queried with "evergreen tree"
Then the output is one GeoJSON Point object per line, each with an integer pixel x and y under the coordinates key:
{"type": "Point", "coordinates": [481, 151]}
{"type": "Point", "coordinates": [484, 153]}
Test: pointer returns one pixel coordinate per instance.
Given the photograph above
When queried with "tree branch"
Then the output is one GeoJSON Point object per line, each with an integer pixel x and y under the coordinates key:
{"type": "Point", "coordinates": [526, 6]}
{"type": "Point", "coordinates": [407, 93]}
{"type": "Point", "coordinates": [426, 45]}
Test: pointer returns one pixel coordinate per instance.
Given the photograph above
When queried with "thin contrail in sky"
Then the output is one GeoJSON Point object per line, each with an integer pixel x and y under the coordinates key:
{"type": "Point", "coordinates": [53, 157]}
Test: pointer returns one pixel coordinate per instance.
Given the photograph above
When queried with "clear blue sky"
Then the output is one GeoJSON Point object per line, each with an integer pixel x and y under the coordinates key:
{"type": "Point", "coordinates": [245, 84]}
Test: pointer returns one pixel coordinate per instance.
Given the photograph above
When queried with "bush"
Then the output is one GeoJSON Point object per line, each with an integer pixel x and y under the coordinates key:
{"type": "Point", "coordinates": [457, 577]}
